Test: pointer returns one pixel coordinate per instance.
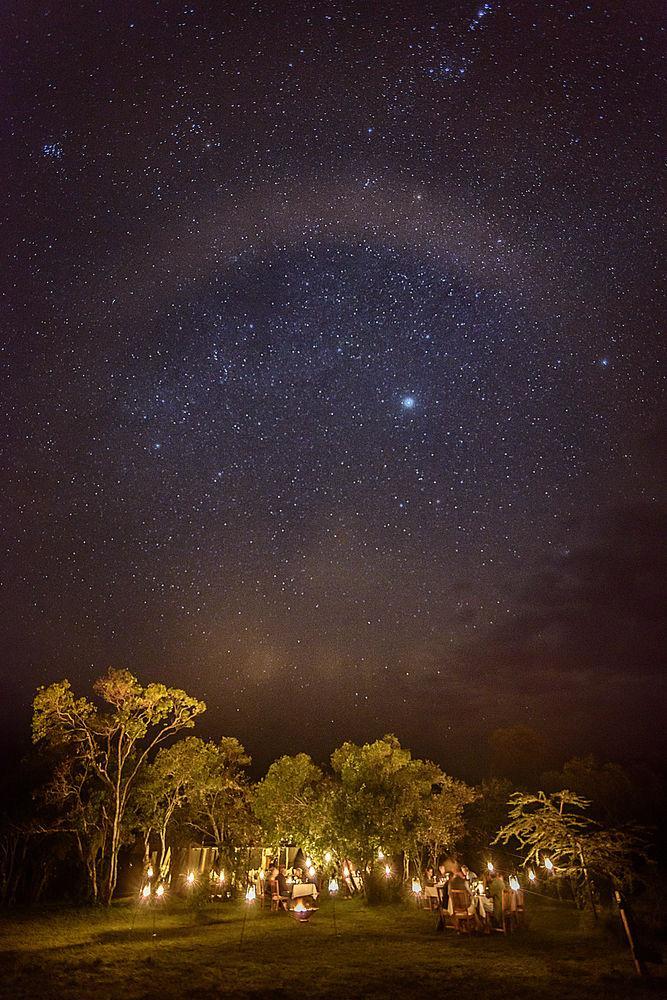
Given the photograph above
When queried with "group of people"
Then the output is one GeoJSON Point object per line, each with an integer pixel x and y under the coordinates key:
{"type": "Point", "coordinates": [451, 875]}
{"type": "Point", "coordinates": [278, 882]}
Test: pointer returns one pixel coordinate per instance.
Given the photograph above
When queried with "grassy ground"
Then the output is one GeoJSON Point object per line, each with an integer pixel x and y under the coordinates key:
{"type": "Point", "coordinates": [380, 952]}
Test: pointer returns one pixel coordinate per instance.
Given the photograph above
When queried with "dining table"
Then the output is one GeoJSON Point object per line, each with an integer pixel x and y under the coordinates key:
{"type": "Point", "coordinates": [302, 889]}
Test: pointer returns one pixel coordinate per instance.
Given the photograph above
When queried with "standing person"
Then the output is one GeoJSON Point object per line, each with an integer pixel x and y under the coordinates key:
{"type": "Point", "coordinates": [496, 890]}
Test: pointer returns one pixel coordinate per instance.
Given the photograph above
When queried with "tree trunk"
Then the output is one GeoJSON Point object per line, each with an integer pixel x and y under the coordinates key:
{"type": "Point", "coordinates": [113, 851]}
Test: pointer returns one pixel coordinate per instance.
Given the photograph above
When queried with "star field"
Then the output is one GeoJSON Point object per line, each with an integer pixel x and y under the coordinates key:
{"type": "Point", "coordinates": [331, 372]}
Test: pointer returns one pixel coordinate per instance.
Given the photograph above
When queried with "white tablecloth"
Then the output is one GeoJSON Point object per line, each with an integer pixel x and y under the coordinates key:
{"type": "Point", "coordinates": [304, 889]}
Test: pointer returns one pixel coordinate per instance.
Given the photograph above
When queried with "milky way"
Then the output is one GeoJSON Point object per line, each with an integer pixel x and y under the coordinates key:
{"type": "Point", "coordinates": [331, 385]}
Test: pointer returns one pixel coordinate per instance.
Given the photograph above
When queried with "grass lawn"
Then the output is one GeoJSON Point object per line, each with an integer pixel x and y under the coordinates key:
{"type": "Point", "coordinates": [381, 952]}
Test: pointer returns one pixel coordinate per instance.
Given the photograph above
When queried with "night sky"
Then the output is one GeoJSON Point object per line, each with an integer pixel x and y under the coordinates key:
{"type": "Point", "coordinates": [331, 385]}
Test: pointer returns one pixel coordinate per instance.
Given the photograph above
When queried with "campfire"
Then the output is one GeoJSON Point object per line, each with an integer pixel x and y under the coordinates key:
{"type": "Point", "coordinates": [302, 913]}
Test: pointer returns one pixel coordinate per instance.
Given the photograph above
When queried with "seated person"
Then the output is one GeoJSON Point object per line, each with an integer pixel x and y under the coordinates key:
{"type": "Point", "coordinates": [284, 890]}
{"type": "Point", "coordinates": [428, 877]}
{"type": "Point", "coordinates": [457, 882]}
{"type": "Point", "coordinates": [297, 876]}
{"type": "Point", "coordinates": [442, 874]}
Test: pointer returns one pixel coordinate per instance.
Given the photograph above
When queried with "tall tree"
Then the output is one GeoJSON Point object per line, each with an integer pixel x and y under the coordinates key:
{"type": "Point", "coordinates": [216, 788]}
{"type": "Point", "coordinates": [440, 823]}
{"type": "Point", "coordinates": [286, 802]}
{"type": "Point", "coordinates": [162, 789]}
{"type": "Point", "coordinates": [114, 741]}
{"type": "Point", "coordinates": [381, 796]}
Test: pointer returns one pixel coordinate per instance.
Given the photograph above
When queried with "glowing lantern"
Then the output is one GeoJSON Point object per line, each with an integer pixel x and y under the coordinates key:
{"type": "Point", "coordinates": [311, 872]}
{"type": "Point", "coordinates": [251, 894]}
{"type": "Point", "coordinates": [149, 873]}
{"type": "Point", "coordinates": [221, 876]}
{"type": "Point", "coordinates": [514, 883]}
{"type": "Point", "coordinates": [548, 864]}
{"type": "Point", "coordinates": [146, 891]}
{"type": "Point", "coordinates": [489, 865]}
{"type": "Point", "coordinates": [346, 872]}
{"type": "Point", "coordinates": [531, 875]}
{"type": "Point", "coordinates": [387, 871]}
{"type": "Point", "coordinates": [416, 886]}
{"type": "Point", "coordinates": [333, 885]}
{"type": "Point", "coordinates": [159, 892]}
{"type": "Point", "coordinates": [309, 862]}
{"type": "Point", "coordinates": [380, 854]}
{"type": "Point", "coordinates": [190, 878]}
{"type": "Point", "coordinates": [327, 857]}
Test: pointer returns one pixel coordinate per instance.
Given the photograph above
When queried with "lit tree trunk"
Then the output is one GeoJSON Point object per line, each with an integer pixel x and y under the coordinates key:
{"type": "Point", "coordinates": [114, 846]}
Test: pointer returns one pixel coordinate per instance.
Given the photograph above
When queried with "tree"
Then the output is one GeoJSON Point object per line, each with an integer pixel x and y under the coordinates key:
{"type": "Point", "coordinates": [555, 827]}
{"type": "Point", "coordinates": [217, 794]}
{"type": "Point", "coordinates": [113, 742]}
{"type": "Point", "coordinates": [486, 813]}
{"type": "Point", "coordinates": [286, 802]}
{"type": "Point", "coordinates": [441, 823]}
{"type": "Point", "coordinates": [381, 800]}
{"type": "Point", "coordinates": [161, 790]}
{"type": "Point", "coordinates": [618, 794]}
{"type": "Point", "coordinates": [74, 804]}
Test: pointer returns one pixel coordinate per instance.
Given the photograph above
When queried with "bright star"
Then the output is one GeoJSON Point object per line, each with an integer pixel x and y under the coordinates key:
{"type": "Point", "coordinates": [408, 402]}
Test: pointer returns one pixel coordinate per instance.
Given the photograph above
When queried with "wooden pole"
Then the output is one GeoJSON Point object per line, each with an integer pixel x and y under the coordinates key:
{"type": "Point", "coordinates": [639, 965]}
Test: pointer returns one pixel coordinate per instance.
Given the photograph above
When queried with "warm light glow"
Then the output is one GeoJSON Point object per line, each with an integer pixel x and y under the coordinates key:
{"type": "Point", "coordinates": [251, 894]}
{"type": "Point", "coordinates": [190, 878]}
{"type": "Point", "coordinates": [149, 873]}
{"type": "Point", "coordinates": [514, 883]}
{"type": "Point", "coordinates": [416, 886]}
{"type": "Point", "coordinates": [327, 857]}
{"type": "Point", "coordinates": [548, 864]}
{"type": "Point", "coordinates": [311, 872]}
{"type": "Point", "coordinates": [531, 875]}
{"type": "Point", "coordinates": [489, 865]}
{"type": "Point", "coordinates": [380, 854]}
{"type": "Point", "coordinates": [346, 872]}
{"type": "Point", "coordinates": [146, 891]}
{"type": "Point", "coordinates": [299, 908]}
{"type": "Point", "coordinates": [221, 876]}
{"type": "Point", "coordinates": [309, 862]}
{"type": "Point", "coordinates": [160, 891]}
{"type": "Point", "coordinates": [387, 871]}
{"type": "Point", "coordinates": [262, 876]}
{"type": "Point", "coordinates": [333, 885]}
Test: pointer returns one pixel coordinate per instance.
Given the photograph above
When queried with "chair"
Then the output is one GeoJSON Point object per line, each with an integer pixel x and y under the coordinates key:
{"type": "Point", "coordinates": [464, 920]}
{"type": "Point", "coordinates": [278, 902]}
{"type": "Point", "coordinates": [508, 919]}
{"type": "Point", "coordinates": [265, 894]}
{"type": "Point", "coordinates": [429, 899]}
